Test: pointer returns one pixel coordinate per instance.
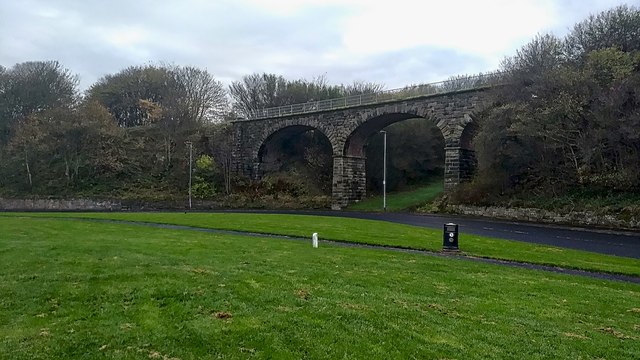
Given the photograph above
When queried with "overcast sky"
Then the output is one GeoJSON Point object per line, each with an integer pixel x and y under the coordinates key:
{"type": "Point", "coordinates": [396, 43]}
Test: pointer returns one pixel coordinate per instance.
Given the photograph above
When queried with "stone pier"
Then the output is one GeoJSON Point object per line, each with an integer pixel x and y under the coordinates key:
{"type": "Point", "coordinates": [349, 180]}
{"type": "Point", "coordinates": [459, 166]}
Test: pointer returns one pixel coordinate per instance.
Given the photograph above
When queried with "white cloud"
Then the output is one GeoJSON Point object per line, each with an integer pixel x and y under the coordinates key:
{"type": "Point", "coordinates": [476, 27]}
{"type": "Point", "coordinates": [292, 7]}
{"type": "Point", "coordinates": [126, 36]}
{"type": "Point", "coordinates": [392, 42]}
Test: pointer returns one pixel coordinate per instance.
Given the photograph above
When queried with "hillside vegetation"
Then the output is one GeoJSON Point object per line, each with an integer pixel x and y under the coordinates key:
{"type": "Point", "coordinates": [563, 131]}
{"type": "Point", "coordinates": [567, 122]}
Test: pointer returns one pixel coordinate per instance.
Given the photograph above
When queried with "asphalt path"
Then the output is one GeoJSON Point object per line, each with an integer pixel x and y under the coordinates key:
{"type": "Point", "coordinates": [620, 243]}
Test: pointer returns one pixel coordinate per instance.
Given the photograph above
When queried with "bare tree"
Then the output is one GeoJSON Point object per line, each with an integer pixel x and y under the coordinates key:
{"type": "Point", "coordinates": [618, 28]}
{"type": "Point", "coordinates": [258, 91]}
{"type": "Point", "coordinates": [204, 99]}
{"type": "Point", "coordinates": [255, 92]}
{"type": "Point", "coordinates": [361, 88]}
{"type": "Point", "coordinates": [31, 87]}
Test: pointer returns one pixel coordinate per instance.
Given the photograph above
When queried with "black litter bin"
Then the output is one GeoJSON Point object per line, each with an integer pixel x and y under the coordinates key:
{"type": "Point", "coordinates": [450, 237]}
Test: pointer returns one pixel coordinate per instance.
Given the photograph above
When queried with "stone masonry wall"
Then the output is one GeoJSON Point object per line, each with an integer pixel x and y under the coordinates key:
{"type": "Point", "coordinates": [577, 218]}
{"type": "Point", "coordinates": [95, 205]}
{"type": "Point", "coordinates": [59, 205]}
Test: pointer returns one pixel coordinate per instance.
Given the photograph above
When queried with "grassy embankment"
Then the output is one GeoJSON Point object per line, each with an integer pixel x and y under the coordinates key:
{"type": "Point", "coordinates": [76, 289]}
{"type": "Point", "coordinates": [377, 233]}
{"type": "Point", "coordinates": [403, 200]}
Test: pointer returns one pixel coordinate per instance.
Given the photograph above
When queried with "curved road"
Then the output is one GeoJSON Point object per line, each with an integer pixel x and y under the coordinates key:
{"type": "Point", "coordinates": [620, 243]}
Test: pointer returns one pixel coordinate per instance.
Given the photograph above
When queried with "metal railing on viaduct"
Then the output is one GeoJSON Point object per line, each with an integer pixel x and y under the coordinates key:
{"type": "Point", "coordinates": [459, 83]}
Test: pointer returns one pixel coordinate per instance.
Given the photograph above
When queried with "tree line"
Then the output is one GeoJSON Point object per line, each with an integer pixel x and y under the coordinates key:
{"type": "Point", "coordinates": [569, 117]}
{"type": "Point", "coordinates": [125, 135]}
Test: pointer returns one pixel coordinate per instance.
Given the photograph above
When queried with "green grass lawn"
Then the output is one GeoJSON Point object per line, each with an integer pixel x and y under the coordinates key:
{"type": "Point", "coordinates": [376, 233]}
{"type": "Point", "coordinates": [78, 289]}
{"type": "Point", "coordinates": [403, 200]}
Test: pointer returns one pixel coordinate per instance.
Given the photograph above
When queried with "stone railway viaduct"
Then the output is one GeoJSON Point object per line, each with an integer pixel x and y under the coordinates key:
{"type": "Point", "coordinates": [348, 129]}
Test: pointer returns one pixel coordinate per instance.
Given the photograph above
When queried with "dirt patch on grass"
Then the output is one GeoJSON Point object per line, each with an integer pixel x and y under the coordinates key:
{"type": "Point", "coordinates": [616, 333]}
{"type": "Point", "coordinates": [442, 310]}
{"type": "Point", "coordinates": [201, 271]}
{"type": "Point", "coordinates": [352, 306]}
{"type": "Point", "coordinates": [157, 355]}
{"type": "Point", "coordinates": [223, 315]}
{"type": "Point", "coordinates": [303, 294]}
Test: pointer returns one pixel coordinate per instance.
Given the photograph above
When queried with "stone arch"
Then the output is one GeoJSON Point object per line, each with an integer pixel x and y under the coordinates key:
{"type": "Point", "coordinates": [347, 130]}
{"type": "Point", "coordinates": [468, 162]}
{"type": "Point", "coordinates": [468, 133]}
{"type": "Point", "coordinates": [357, 138]}
{"type": "Point", "coordinates": [262, 164]}
{"type": "Point", "coordinates": [282, 130]}
{"type": "Point", "coordinates": [349, 181]}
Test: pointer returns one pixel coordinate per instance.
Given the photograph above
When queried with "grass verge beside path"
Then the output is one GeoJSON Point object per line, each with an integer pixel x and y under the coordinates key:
{"type": "Point", "coordinates": [376, 233]}
{"type": "Point", "coordinates": [404, 200]}
{"type": "Point", "coordinates": [73, 289]}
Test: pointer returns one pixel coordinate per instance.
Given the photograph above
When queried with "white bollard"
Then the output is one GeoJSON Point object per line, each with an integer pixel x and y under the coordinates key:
{"type": "Point", "coordinates": [314, 240]}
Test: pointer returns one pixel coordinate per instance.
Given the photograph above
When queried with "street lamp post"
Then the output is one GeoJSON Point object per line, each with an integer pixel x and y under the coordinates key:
{"type": "Point", "coordinates": [384, 171]}
{"type": "Point", "coordinates": [190, 144]}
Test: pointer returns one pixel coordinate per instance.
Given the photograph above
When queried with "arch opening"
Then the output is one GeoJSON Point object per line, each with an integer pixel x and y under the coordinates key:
{"type": "Point", "coordinates": [468, 161]}
{"type": "Point", "coordinates": [297, 156]}
{"type": "Point", "coordinates": [357, 141]}
{"type": "Point", "coordinates": [415, 151]}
